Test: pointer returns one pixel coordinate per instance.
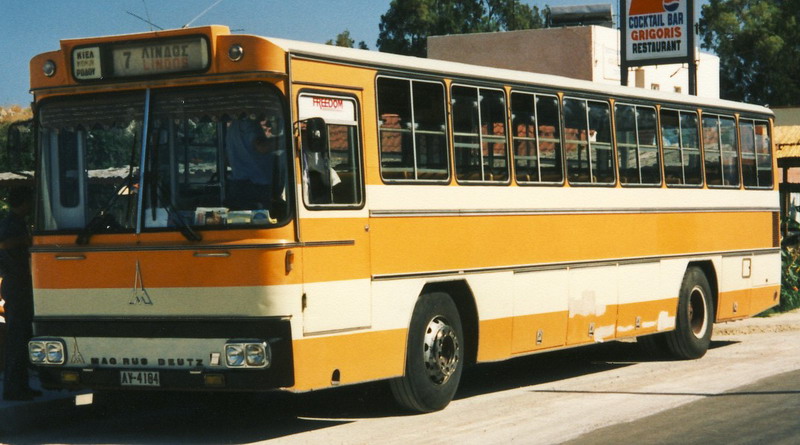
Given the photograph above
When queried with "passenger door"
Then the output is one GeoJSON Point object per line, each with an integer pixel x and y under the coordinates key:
{"type": "Point", "coordinates": [333, 221]}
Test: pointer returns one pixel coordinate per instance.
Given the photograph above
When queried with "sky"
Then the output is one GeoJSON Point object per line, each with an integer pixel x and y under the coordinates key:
{"type": "Point", "coordinates": [31, 27]}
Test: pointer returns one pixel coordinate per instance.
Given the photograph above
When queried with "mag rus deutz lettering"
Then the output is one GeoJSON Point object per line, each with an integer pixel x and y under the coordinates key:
{"type": "Point", "coordinates": [137, 361]}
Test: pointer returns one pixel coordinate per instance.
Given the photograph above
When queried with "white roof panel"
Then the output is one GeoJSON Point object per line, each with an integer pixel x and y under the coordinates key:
{"type": "Point", "coordinates": [446, 68]}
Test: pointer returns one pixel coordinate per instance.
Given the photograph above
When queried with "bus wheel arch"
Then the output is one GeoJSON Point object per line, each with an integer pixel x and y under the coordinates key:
{"type": "Point", "coordinates": [707, 267]}
{"type": "Point", "coordinates": [461, 294]}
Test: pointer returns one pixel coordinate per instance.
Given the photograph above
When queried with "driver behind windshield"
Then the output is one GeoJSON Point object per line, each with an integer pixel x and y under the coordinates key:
{"type": "Point", "coordinates": [254, 158]}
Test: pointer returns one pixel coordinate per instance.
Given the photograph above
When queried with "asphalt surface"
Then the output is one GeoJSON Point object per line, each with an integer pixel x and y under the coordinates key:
{"type": "Point", "coordinates": [733, 417]}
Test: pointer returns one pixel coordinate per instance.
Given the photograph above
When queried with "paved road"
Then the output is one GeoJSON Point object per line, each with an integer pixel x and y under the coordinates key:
{"type": "Point", "coordinates": [767, 412]}
{"type": "Point", "coordinates": [547, 398]}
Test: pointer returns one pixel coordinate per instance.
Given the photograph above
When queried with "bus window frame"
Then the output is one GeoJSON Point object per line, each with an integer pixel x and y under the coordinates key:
{"type": "Point", "coordinates": [659, 154]}
{"type": "Point", "coordinates": [586, 99]}
{"type": "Point", "coordinates": [447, 132]}
{"type": "Point", "coordinates": [509, 164]}
{"type": "Point", "coordinates": [698, 116]}
{"type": "Point", "coordinates": [359, 150]}
{"type": "Point", "coordinates": [513, 164]}
{"type": "Point", "coordinates": [754, 120]}
{"type": "Point", "coordinates": [719, 116]}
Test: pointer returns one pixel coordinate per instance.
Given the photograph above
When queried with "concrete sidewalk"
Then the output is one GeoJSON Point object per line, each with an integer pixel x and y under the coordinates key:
{"type": "Point", "coordinates": [21, 416]}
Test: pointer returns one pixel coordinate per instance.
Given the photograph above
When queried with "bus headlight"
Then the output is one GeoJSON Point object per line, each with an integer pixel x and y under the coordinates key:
{"type": "Point", "coordinates": [248, 354]}
{"type": "Point", "coordinates": [234, 355]}
{"type": "Point", "coordinates": [55, 353]}
{"type": "Point", "coordinates": [256, 354]}
{"type": "Point", "coordinates": [46, 352]}
{"type": "Point", "coordinates": [36, 351]}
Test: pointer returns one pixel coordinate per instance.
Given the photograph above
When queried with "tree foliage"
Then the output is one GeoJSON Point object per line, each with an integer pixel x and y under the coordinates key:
{"type": "Point", "coordinates": [9, 115]}
{"type": "Point", "coordinates": [343, 39]}
{"type": "Point", "coordinates": [405, 27]}
{"type": "Point", "coordinates": [758, 43]}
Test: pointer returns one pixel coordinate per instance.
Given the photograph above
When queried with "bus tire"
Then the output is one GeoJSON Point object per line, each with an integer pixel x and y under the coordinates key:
{"type": "Point", "coordinates": [434, 355]}
{"type": "Point", "coordinates": [694, 321]}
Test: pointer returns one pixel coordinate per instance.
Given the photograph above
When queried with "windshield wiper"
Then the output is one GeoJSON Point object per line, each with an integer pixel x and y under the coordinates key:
{"type": "Point", "coordinates": [160, 197]}
{"type": "Point", "coordinates": [102, 220]}
{"type": "Point", "coordinates": [184, 227]}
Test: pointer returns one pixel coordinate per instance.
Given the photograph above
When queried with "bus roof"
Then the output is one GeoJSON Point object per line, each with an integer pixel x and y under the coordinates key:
{"type": "Point", "coordinates": [447, 68]}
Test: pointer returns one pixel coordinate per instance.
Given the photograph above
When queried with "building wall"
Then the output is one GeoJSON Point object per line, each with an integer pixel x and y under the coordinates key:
{"type": "Point", "coordinates": [549, 51]}
{"type": "Point", "coordinates": [582, 52]}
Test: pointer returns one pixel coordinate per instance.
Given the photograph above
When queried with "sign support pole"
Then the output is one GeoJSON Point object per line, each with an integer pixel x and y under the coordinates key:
{"type": "Point", "coordinates": [692, 53]}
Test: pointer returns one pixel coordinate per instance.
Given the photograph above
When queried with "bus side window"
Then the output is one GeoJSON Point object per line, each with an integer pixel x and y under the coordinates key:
{"type": "Point", "coordinates": [721, 151]}
{"type": "Point", "coordinates": [331, 157]}
{"type": "Point", "coordinates": [587, 132]}
{"type": "Point", "coordinates": [479, 134]}
{"type": "Point", "coordinates": [637, 152]}
{"type": "Point", "coordinates": [680, 139]}
{"type": "Point", "coordinates": [756, 154]}
{"type": "Point", "coordinates": [535, 132]}
{"type": "Point", "coordinates": [413, 136]}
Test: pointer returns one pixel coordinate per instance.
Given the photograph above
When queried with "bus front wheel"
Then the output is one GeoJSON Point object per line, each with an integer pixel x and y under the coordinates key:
{"type": "Point", "coordinates": [434, 355]}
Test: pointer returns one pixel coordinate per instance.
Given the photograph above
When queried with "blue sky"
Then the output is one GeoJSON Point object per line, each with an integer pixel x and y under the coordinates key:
{"type": "Point", "coordinates": [35, 26]}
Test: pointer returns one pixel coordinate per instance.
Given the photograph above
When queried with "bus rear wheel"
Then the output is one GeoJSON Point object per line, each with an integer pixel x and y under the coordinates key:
{"type": "Point", "coordinates": [434, 356]}
{"type": "Point", "coordinates": [695, 318]}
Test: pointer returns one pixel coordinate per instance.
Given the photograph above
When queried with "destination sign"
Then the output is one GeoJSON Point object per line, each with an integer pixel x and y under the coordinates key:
{"type": "Point", "coordinates": [86, 63]}
{"type": "Point", "coordinates": [140, 59]}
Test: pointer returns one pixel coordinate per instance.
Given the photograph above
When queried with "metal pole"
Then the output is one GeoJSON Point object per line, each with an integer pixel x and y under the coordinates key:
{"type": "Point", "coordinates": [142, 159]}
{"type": "Point", "coordinates": [691, 50]}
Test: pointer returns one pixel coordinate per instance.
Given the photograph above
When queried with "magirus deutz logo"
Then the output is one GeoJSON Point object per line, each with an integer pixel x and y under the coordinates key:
{"type": "Point", "coordinates": [139, 293]}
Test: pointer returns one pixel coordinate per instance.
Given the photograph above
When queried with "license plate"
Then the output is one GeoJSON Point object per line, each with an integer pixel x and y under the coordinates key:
{"type": "Point", "coordinates": [139, 378]}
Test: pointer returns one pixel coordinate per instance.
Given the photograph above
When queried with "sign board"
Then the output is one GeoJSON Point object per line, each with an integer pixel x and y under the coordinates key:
{"type": "Point", "coordinates": [332, 109]}
{"type": "Point", "coordinates": [655, 32]}
{"type": "Point", "coordinates": [657, 29]}
{"type": "Point", "coordinates": [141, 58]}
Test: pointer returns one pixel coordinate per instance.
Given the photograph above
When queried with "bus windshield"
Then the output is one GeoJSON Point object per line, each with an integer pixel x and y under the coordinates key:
{"type": "Point", "coordinates": [214, 157]}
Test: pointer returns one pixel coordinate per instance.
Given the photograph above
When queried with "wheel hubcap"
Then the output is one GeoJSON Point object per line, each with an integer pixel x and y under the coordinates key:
{"type": "Point", "coordinates": [698, 320]}
{"type": "Point", "coordinates": [442, 351]}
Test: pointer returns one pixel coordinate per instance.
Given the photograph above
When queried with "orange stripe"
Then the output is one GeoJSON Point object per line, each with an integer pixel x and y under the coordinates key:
{"type": "Point", "coordinates": [103, 270]}
{"type": "Point", "coordinates": [763, 298]}
{"type": "Point", "coordinates": [527, 327]}
{"type": "Point", "coordinates": [404, 245]}
{"type": "Point", "coordinates": [748, 302]}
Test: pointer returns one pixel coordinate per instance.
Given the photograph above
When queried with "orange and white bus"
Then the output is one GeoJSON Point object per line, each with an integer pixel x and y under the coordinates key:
{"type": "Point", "coordinates": [240, 213]}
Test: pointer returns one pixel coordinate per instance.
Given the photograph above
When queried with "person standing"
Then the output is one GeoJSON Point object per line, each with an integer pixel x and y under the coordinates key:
{"type": "Point", "coordinates": [17, 291]}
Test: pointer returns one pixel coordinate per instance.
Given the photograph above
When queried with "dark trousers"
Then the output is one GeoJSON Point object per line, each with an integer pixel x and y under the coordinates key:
{"type": "Point", "coordinates": [19, 318]}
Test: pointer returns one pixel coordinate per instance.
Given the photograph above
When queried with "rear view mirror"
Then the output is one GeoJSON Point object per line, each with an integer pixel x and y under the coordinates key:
{"type": "Point", "coordinates": [19, 147]}
{"type": "Point", "coordinates": [314, 135]}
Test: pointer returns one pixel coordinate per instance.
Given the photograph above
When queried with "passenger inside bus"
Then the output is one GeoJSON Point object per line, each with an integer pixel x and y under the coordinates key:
{"type": "Point", "coordinates": [256, 164]}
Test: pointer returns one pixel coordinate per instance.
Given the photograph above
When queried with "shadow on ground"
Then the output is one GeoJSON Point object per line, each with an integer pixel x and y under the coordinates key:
{"type": "Point", "coordinates": [241, 418]}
